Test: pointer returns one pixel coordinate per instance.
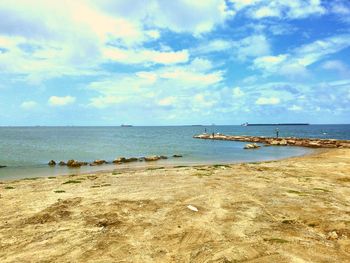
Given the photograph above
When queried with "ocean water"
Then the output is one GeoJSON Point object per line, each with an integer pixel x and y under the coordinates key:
{"type": "Point", "coordinates": [26, 150]}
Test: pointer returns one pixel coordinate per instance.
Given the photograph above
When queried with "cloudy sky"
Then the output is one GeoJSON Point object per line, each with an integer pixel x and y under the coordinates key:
{"type": "Point", "coordinates": [107, 62]}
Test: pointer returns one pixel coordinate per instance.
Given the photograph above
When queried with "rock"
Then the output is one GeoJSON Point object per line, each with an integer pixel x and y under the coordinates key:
{"type": "Point", "coordinates": [70, 162]}
{"type": "Point", "coordinates": [62, 163]}
{"type": "Point", "coordinates": [125, 160]}
{"type": "Point", "coordinates": [283, 142]}
{"type": "Point", "coordinates": [152, 158]}
{"type": "Point", "coordinates": [274, 142]}
{"type": "Point", "coordinates": [177, 155]}
{"type": "Point", "coordinates": [119, 160]}
{"type": "Point", "coordinates": [193, 208]}
{"type": "Point", "coordinates": [132, 159]}
{"type": "Point", "coordinates": [251, 146]}
{"type": "Point", "coordinates": [315, 144]}
{"type": "Point", "coordinates": [332, 235]}
{"type": "Point", "coordinates": [163, 157]}
{"type": "Point", "coordinates": [75, 163]}
{"type": "Point", "coordinates": [291, 142]}
{"type": "Point", "coordinates": [3, 166]}
{"type": "Point", "coordinates": [52, 163]}
{"type": "Point", "coordinates": [98, 162]}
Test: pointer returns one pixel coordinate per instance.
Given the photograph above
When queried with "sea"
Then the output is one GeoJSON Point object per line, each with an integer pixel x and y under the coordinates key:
{"type": "Point", "coordinates": [25, 151]}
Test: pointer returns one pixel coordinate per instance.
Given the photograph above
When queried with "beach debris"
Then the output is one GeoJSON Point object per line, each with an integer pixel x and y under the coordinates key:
{"type": "Point", "coordinates": [62, 163]}
{"type": "Point", "coordinates": [193, 208]}
{"type": "Point", "coordinates": [52, 163]}
{"type": "Point", "coordinates": [177, 155]}
{"type": "Point", "coordinates": [251, 146]}
{"type": "Point", "coordinates": [125, 160]}
{"type": "Point", "coordinates": [75, 163]}
{"type": "Point", "coordinates": [332, 235]}
{"type": "Point", "coordinates": [98, 162]}
{"type": "Point", "coordinates": [3, 166]}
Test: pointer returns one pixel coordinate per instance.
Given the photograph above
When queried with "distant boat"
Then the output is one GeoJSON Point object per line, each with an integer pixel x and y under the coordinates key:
{"type": "Point", "coordinates": [245, 124]}
{"type": "Point", "coordinates": [125, 125]}
{"type": "Point", "coordinates": [277, 124]}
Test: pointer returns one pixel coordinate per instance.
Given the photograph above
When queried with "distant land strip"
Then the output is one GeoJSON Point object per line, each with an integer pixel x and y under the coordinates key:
{"type": "Point", "coordinates": [276, 124]}
{"type": "Point", "coordinates": [281, 141]}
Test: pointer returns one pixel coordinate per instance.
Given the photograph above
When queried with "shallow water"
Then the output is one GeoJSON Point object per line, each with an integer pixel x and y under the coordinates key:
{"type": "Point", "coordinates": [26, 150]}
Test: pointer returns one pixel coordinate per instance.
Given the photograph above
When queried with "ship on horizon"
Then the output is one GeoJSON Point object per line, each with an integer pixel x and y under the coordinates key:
{"type": "Point", "coordinates": [274, 124]}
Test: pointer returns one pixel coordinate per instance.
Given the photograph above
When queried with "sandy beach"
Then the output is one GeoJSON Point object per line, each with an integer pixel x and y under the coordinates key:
{"type": "Point", "coordinates": [292, 210]}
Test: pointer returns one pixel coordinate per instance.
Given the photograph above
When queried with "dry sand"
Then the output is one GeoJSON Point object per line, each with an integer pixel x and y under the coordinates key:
{"type": "Point", "coordinates": [294, 210]}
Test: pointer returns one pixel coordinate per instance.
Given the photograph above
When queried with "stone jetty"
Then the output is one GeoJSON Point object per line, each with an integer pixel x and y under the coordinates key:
{"type": "Point", "coordinates": [282, 141]}
{"type": "Point", "coordinates": [76, 164]}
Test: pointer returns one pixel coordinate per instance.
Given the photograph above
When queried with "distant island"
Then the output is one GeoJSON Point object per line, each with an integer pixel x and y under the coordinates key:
{"type": "Point", "coordinates": [126, 125]}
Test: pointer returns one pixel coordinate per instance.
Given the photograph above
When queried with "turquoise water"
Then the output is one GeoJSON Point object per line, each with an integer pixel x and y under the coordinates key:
{"type": "Point", "coordinates": [26, 150]}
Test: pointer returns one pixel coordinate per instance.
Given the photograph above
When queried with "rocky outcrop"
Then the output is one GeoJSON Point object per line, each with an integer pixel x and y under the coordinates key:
{"type": "Point", "coordinates": [120, 160]}
{"type": "Point", "coordinates": [98, 162]}
{"type": "Point", "coordinates": [125, 160]}
{"type": "Point", "coordinates": [75, 163]}
{"type": "Point", "coordinates": [155, 158]}
{"type": "Point", "coordinates": [285, 141]}
{"type": "Point", "coordinates": [3, 166]}
{"type": "Point", "coordinates": [251, 146]}
{"type": "Point", "coordinates": [52, 163]}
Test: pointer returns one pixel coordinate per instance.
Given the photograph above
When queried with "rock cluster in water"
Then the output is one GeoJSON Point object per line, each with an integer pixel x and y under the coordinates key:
{"type": "Point", "coordinates": [251, 146]}
{"type": "Point", "coordinates": [120, 160]}
{"type": "Point", "coordinates": [285, 141]}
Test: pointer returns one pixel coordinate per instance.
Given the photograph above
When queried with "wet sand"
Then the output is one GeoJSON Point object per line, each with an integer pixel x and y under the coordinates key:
{"type": "Point", "coordinates": [292, 210]}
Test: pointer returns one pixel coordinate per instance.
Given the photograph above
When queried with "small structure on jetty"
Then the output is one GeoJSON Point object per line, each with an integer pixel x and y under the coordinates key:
{"type": "Point", "coordinates": [282, 141]}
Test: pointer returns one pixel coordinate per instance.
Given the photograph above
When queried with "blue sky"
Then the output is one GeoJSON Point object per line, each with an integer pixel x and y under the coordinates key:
{"type": "Point", "coordinates": [108, 62]}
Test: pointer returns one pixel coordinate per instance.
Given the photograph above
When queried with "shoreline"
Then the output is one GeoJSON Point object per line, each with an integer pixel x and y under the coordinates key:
{"type": "Point", "coordinates": [290, 210]}
{"type": "Point", "coordinates": [130, 167]}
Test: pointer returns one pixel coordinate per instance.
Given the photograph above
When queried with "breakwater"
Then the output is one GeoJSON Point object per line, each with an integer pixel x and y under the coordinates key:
{"type": "Point", "coordinates": [282, 141]}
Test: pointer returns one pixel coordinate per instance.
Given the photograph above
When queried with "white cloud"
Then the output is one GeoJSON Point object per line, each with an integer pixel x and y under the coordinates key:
{"type": "Point", "coordinates": [203, 100]}
{"type": "Point", "coordinates": [237, 92]}
{"type": "Point", "coordinates": [168, 101]}
{"type": "Point", "coordinates": [252, 46]}
{"type": "Point", "coordinates": [296, 63]}
{"type": "Point", "coordinates": [336, 65]}
{"type": "Point", "coordinates": [295, 108]}
{"type": "Point", "coordinates": [266, 12]}
{"type": "Point", "coordinates": [176, 16]}
{"type": "Point", "coordinates": [161, 85]}
{"type": "Point", "coordinates": [61, 101]}
{"type": "Point", "coordinates": [269, 63]}
{"type": "Point", "coordinates": [240, 4]}
{"type": "Point", "coordinates": [216, 45]}
{"type": "Point", "coordinates": [76, 37]}
{"type": "Point", "coordinates": [267, 101]}
{"type": "Point", "coordinates": [201, 65]}
{"type": "Point", "coordinates": [106, 101]}
{"type": "Point", "coordinates": [28, 105]}
{"type": "Point", "coordinates": [145, 56]}
{"type": "Point", "coordinates": [342, 10]}
{"type": "Point", "coordinates": [295, 9]}
{"type": "Point", "coordinates": [190, 79]}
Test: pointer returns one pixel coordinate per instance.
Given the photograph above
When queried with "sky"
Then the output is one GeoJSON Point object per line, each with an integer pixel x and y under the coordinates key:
{"type": "Point", "coordinates": [183, 62]}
